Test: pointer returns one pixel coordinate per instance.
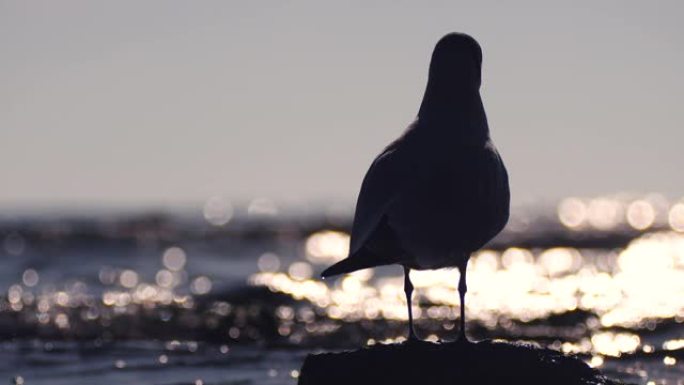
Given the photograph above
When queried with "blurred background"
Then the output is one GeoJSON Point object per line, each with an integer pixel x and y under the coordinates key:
{"type": "Point", "coordinates": [175, 175]}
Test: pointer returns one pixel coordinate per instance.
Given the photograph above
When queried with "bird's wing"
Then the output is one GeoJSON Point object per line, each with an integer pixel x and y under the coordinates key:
{"type": "Point", "coordinates": [487, 191]}
{"type": "Point", "coordinates": [378, 190]}
{"type": "Point", "coordinates": [380, 185]}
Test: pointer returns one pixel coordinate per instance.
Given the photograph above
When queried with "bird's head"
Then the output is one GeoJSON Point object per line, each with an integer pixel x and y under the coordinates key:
{"type": "Point", "coordinates": [452, 96]}
{"type": "Point", "coordinates": [456, 63]}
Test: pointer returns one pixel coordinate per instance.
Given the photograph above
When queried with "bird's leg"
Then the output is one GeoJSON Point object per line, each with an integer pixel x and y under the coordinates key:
{"type": "Point", "coordinates": [408, 289]}
{"type": "Point", "coordinates": [462, 289]}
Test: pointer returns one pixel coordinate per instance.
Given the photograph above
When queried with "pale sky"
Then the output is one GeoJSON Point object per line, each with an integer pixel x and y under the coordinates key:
{"type": "Point", "coordinates": [163, 102]}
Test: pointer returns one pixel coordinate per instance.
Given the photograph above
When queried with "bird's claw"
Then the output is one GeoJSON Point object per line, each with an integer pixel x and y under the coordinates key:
{"type": "Point", "coordinates": [463, 340]}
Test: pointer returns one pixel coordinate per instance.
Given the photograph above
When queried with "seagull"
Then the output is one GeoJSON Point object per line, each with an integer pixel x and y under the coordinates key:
{"type": "Point", "coordinates": [440, 191]}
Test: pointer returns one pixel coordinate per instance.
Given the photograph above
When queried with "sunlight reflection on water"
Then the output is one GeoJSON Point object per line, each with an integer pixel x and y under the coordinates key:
{"type": "Point", "coordinates": [639, 284]}
{"type": "Point", "coordinates": [614, 301]}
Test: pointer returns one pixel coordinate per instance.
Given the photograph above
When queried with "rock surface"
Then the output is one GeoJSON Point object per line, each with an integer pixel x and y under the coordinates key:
{"type": "Point", "coordinates": [450, 363]}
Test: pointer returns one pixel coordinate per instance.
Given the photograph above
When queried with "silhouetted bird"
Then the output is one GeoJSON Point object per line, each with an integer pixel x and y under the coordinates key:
{"type": "Point", "coordinates": [440, 191]}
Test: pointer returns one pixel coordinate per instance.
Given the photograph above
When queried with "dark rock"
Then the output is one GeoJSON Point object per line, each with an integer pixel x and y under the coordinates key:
{"type": "Point", "coordinates": [450, 363]}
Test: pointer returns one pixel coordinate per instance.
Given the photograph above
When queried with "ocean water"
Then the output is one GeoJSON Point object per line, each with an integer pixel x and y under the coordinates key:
{"type": "Point", "coordinates": [223, 298]}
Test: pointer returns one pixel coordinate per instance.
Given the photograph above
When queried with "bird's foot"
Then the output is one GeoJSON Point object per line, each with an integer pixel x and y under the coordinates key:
{"type": "Point", "coordinates": [463, 340]}
{"type": "Point", "coordinates": [412, 338]}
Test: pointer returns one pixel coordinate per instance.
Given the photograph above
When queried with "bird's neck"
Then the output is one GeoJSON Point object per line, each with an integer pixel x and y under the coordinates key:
{"type": "Point", "coordinates": [454, 128]}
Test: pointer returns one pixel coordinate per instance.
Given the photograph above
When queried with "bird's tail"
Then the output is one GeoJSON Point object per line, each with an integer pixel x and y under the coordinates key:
{"type": "Point", "coordinates": [342, 267]}
{"type": "Point", "coordinates": [357, 261]}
